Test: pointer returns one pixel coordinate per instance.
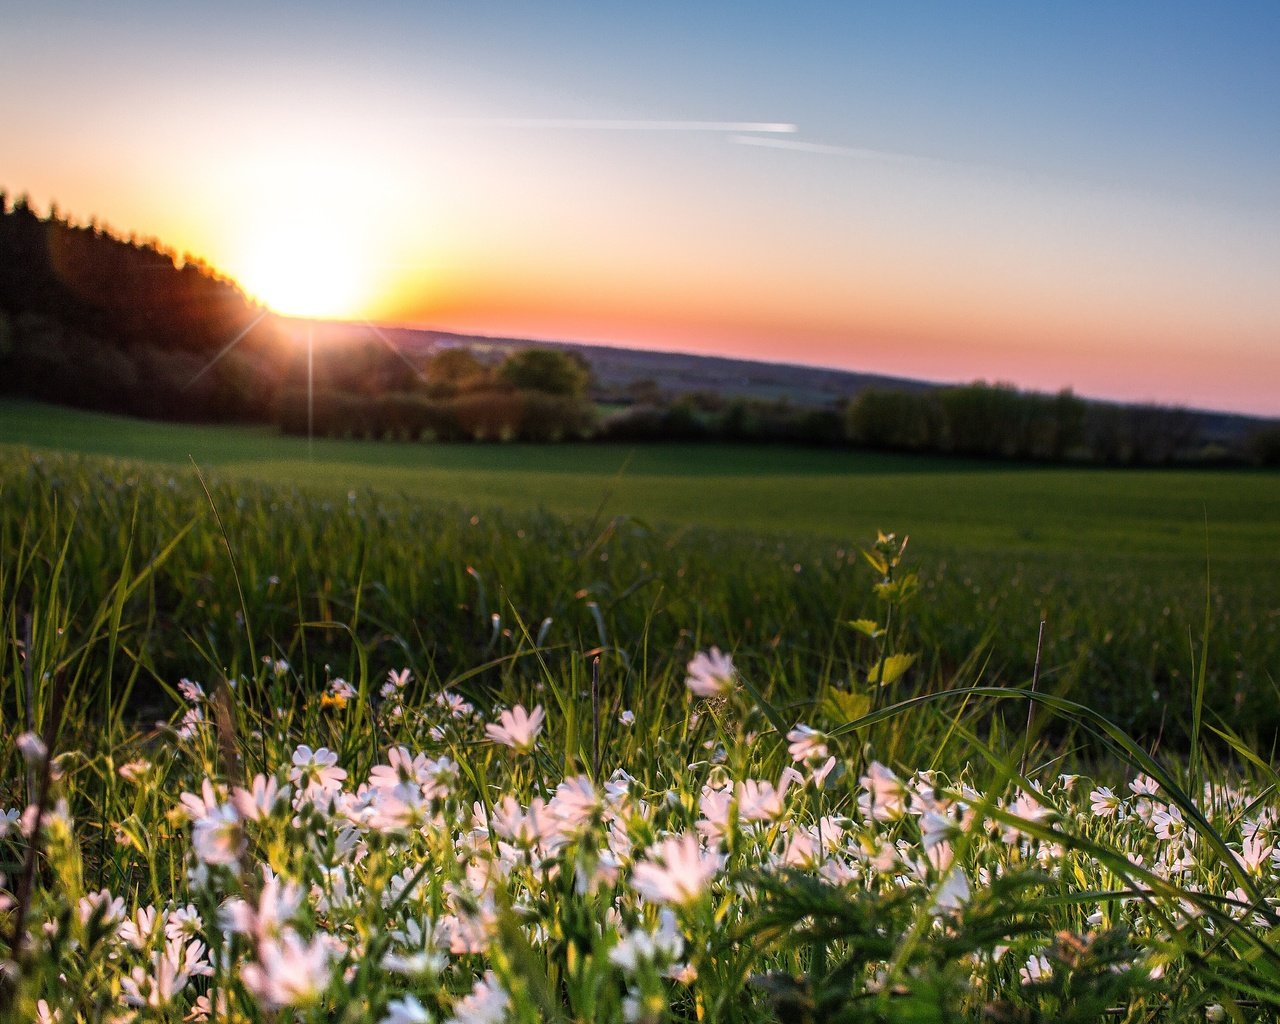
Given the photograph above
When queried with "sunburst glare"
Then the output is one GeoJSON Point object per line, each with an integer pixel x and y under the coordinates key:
{"type": "Point", "coordinates": [301, 267]}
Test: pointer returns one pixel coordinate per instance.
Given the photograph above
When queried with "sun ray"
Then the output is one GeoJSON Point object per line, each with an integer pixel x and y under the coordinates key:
{"type": "Point", "coordinates": [226, 348]}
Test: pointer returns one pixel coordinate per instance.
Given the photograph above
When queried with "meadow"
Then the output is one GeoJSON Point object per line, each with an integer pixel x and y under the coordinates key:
{"type": "Point", "coordinates": [745, 544]}
{"type": "Point", "coordinates": [404, 733]}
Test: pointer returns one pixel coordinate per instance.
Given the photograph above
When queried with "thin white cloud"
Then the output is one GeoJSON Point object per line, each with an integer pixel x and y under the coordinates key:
{"type": "Point", "coordinates": [855, 152]}
{"type": "Point", "coordinates": [608, 125]}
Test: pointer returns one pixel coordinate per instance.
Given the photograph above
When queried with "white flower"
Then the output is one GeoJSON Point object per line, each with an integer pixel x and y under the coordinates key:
{"type": "Point", "coordinates": [453, 704]}
{"type": "Point", "coordinates": [406, 1011]}
{"type": "Point", "coordinates": [396, 681]}
{"type": "Point", "coordinates": [183, 923]}
{"type": "Point", "coordinates": [203, 1007]}
{"type": "Point", "coordinates": [576, 802]}
{"type": "Point", "coordinates": [710, 674]}
{"type": "Point", "coordinates": [486, 1004]}
{"type": "Point", "coordinates": [340, 688]}
{"type": "Point", "coordinates": [217, 837]}
{"type": "Point", "coordinates": [192, 691]}
{"type": "Point", "coordinates": [538, 826]}
{"type": "Point", "coordinates": [135, 771]}
{"type": "Point", "coordinates": [209, 800]}
{"type": "Point", "coordinates": [403, 775]}
{"type": "Point", "coordinates": [1027, 807]}
{"type": "Point", "coordinates": [138, 930]}
{"type": "Point", "coordinates": [801, 850]}
{"type": "Point", "coordinates": [108, 908]}
{"type": "Point", "coordinates": [517, 728]}
{"type": "Point", "coordinates": [821, 772]}
{"type": "Point", "coordinates": [952, 894]}
{"type": "Point", "coordinates": [676, 871]}
{"type": "Point", "coordinates": [640, 946]}
{"type": "Point", "coordinates": [190, 723]}
{"type": "Point", "coordinates": [316, 770]}
{"type": "Point", "coordinates": [936, 827]}
{"type": "Point", "coordinates": [1103, 802]}
{"type": "Point", "coordinates": [1254, 853]}
{"type": "Point", "coordinates": [714, 806]}
{"type": "Point", "coordinates": [1168, 823]}
{"type": "Point", "coordinates": [277, 903]}
{"type": "Point", "coordinates": [170, 970]}
{"type": "Point", "coordinates": [288, 972]}
{"type": "Point", "coordinates": [390, 810]}
{"type": "Point", "coordinates": [1037, 969]}
{"type": "Point", "coordinates": [418, 964]}
{"type": "Point", "coordinates": [806, 744]}
{"type": "Point", "coordinates": [884, 794]}
{"type": "Point", "coordinates": [759, 801]}
{"type": "Point", "coordinates": [260, 799]}
{"type": "Point", "coordinates": [617, 787]}
{"type": "Point", "coordinates": [627, 718]}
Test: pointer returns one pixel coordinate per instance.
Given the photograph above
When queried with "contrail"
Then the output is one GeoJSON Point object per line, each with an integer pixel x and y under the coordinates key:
{"type": "Point", "coordinates": [608, 125]}
{"type": "Point", "coordinates": [856, 152]}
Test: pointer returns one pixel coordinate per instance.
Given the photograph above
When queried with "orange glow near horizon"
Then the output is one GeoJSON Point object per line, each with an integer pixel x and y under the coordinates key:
{"type": "Point", "coordinates": [329, 245]}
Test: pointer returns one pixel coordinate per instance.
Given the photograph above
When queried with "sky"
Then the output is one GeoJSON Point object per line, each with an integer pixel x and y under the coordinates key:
{"type": "Point", "coordinates": [1080, 195]}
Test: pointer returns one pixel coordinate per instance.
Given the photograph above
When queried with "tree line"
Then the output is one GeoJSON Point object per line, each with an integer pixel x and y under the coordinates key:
{"type": "Point", "coordinates": [92, 319]}
{"type": "Point", "coordinates": [999, 421]}
{"type": "Point", "coordinates": [978, 420]}
{"type": "Point", "coordinates": [532, 394]}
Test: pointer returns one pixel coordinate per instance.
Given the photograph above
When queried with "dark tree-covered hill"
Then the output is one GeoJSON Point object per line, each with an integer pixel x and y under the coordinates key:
{"type": "Point", "coordinates": [91, 319]}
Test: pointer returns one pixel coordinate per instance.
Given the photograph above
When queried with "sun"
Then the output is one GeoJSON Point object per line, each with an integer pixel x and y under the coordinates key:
{"type": "Point", "coordinates": [299, 263]}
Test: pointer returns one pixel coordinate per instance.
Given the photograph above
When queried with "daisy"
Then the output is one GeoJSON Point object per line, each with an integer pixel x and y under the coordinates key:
{"type": "Point", "coordinates": [288, 972]}
{"type": "Point", "coordinates": [316, 769]}
{"type": "Point", "coordinates": [517, 728]}
{"type": "Point", "coordinates": [710, 674]}
{"type": "Point", "coordinates": [1103, 802]}
{"type": "Point", "coordinates": [806, 744]}
{"type": "Point", "coordinates": [676, 871]}
{"type": "Point", "coordinates": [260, 799]}
{"type": "Point", "coordinates": [217, 838]}
{"type": "Point", "coordinates": [884, 795]}
{"type": "Point", "coordinates": [486, 1004]}
{"type": "Point", "coordinates": [406, 1011]}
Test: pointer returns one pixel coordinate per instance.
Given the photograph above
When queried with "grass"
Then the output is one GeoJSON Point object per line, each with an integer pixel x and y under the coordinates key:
{"type": "Point", "coordinates": [1082, 514]}
{"type": "Point", "coordinates": [1119, 562]}
{"type": "Point", "coordinates": [309, 837]}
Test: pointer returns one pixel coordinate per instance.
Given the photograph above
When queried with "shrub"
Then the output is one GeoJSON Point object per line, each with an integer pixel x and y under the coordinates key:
{"type": "Point", "coordinates": [489, 415]}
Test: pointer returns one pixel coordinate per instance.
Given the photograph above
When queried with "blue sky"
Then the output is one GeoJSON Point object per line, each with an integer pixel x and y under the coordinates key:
{"type": "Point", "coordinates": [1075, 195]}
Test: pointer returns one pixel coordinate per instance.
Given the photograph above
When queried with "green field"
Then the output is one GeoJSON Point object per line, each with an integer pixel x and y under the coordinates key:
{"type": "Point", "coordinates": [1103, 516]}
{"type": "Point", "coordinates": [745, 545]}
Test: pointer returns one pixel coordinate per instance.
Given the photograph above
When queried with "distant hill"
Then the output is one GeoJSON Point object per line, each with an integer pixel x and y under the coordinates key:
{"type": "Point", "coordinates": [674, 373]}
{"type": "Point", "coordinates": [620, 370]}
